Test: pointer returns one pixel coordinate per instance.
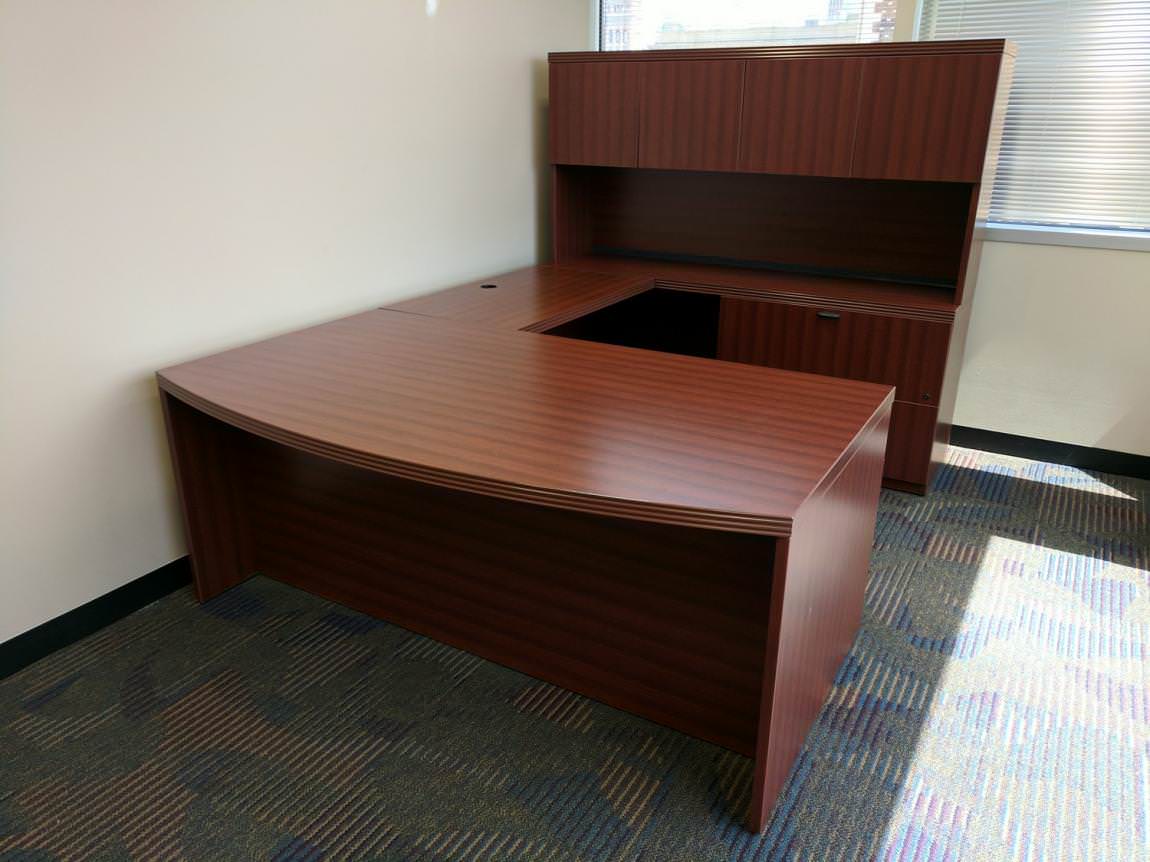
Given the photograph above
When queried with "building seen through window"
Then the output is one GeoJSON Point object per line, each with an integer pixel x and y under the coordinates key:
{"type": "Point", "coordinates": [629, 25]}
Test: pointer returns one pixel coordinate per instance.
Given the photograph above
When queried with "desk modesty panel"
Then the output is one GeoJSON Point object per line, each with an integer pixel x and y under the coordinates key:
{"type": "Point", "coordinates": [682, 538]}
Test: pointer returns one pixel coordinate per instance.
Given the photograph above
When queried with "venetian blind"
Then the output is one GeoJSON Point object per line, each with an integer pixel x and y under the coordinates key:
{"type": "Point", "coordinates": [1076, 145]}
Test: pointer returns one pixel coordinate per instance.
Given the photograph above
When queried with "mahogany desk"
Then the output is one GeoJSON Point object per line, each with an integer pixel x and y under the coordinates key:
{"type": "Point", "coordinates": [682, 538]}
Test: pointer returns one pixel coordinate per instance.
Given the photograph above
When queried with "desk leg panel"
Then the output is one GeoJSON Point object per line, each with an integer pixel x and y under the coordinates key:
{"type": "Point", "coordinates": [663, 621]}
{"type": "Point", "coordinates": [820, 578]}
{"type": "Point", "coordinates": [211, 496]}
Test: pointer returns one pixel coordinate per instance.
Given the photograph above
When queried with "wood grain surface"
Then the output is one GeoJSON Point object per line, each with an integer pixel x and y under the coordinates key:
{"type": "Point", "coordinates": [926, 118]}
{"type": "Point", "coordinates": [910, 454]}
{"type": "Point", "coordinates": [689, 115]}
{"type": "Point", "coordinates": [665, 621]}
{"type": "Point", "coordinates": [770, 52]}
{"type": "Point", "coordinates": [908, 354]}
{"type": "Point", "coordinates": [910, 231]}
{"type": "Point", "coordinates": [799, 116]}
{"type": "Point", "coordinates": [858, 177]}
{"type": "Point", "coordinates": [557, 422]}
{"type": "Point", "coordinates": [817, 589]}
{"type": "Point", "coordinates": [730, 637]}
{"type": "Point", "coordinates": [205, 456]}
{"type": "Point", "coordinates": [916, 302]}
{"type": "Point", "coordinates": [619, 522]}
{"type": "Point", "coordinates": [599, 123]}
{"type": "Point", "coordinates": [534, 298]}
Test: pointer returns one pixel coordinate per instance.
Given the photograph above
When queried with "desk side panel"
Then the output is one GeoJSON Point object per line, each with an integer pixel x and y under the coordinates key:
{"type": "Point", "coordinates": [820, 576]}
{"type": "Point", "coordinates": [210, 487]}
{"type": "Point", "coordinates": [663, 621]}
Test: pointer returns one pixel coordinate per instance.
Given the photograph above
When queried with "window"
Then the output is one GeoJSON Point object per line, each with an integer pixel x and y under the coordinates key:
{"type": "Point", "coordinates": [640, 24]}
{"type": "Point", "coordinates": [1076, 146]}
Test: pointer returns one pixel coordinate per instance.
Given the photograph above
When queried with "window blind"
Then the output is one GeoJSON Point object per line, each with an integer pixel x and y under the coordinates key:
{"type": "Point", "coordinates": [1076, 143]}
{"type": "Point", "coordinates": [632, 25]}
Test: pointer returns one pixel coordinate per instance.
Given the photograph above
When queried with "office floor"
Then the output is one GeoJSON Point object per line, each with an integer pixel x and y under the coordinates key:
{"type": "Point", "coordinates": [996, 705]}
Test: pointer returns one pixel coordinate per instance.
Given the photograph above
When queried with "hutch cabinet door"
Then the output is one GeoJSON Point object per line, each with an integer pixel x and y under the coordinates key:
{"type": "Point", "coordinates": [689, 114]}
{"type": "Point", "coordinates": [925, 117]}
{"type": "Point", "coordinates": [799, 116]}
{"type": "Point", "coordinates": [594, 113]}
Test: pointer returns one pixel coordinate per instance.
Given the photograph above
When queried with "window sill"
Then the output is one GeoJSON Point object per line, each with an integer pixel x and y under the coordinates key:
{"type": "Point", "coordinates": [1124, 240]}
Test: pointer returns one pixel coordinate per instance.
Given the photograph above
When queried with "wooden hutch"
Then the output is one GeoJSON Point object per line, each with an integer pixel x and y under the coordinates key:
{"type": "Point", "coordinates": [807, 208]}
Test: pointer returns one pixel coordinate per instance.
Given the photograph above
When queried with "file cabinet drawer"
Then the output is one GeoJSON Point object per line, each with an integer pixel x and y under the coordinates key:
{"type": "Point", "coordinates": [906, 353]}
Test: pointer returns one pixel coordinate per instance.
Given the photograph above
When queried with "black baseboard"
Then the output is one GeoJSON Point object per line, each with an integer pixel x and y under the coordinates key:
{"type": "Point", "coordinates": [88, 619]}
{"type": "Point", "coordinates": [1083, 457]}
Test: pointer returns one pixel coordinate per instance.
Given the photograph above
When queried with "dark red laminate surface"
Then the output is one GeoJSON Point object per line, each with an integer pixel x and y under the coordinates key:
{"type": "Point", "coordinates": [206, 460]}
{"type": "Point", "coordinates": [912, 231]}
{"type": "Point", "coordinates": [817, 589]}
{"type": "Point", "coordinates": [689, 115]}
{"type": "Point", "coordinates": [799, 116]}
{"type": "Point", "coordinates": [913, 432]}
{"type": "Point", "coordinates": [599, 124]}
{"type": "Point", "coordinates": [587, 427]}
{"type": "Point", "coordinates": [870, 161]}
{"type": "Point", "coordinates": [852, 294]}
{"type": "Point", "coordinates": [724, 635]}
{"type": "Point", "coordinates": [534, 298]}
{"type": "Point", "coordinates": [908, 354]}
{"type": "Point", "coordinates": [925, 118]}
{"type": "Point", "coordinates": [774, 52]}
{"type": "Point", "coordinates": [657, 619]}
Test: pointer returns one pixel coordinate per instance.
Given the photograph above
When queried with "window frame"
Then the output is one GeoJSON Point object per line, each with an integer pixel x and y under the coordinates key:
{"type": "Point", "coordinates": [1077, 237]}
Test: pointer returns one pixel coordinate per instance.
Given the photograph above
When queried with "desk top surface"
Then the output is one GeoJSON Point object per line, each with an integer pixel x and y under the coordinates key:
{"type": "Point", "coordinates": [535, 298]}
{"type": "Point", "coordinates": [584, 426]}
{"type": "Point", "coordinates": [539, 298]}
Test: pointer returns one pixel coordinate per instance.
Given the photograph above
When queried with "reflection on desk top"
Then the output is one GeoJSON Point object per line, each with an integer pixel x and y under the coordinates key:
{"type": "Point", "coordinates": [536, 298]}
{"type": "Point", "coordinates": [554, 421]}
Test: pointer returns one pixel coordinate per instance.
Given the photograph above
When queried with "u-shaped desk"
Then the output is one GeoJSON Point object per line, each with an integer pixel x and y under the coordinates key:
{"type": "Point", "coordinates": [682, 538]}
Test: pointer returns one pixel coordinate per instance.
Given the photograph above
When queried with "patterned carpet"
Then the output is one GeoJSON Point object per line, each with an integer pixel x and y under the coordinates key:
{"type": "Point", "coordinates": [996, 706]}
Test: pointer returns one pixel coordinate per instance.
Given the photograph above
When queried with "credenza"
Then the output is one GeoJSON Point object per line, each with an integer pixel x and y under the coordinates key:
{"type": "Point", "coordinates": [827, 195]}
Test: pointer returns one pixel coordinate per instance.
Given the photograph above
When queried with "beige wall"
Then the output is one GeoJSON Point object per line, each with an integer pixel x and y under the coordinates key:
{"type": "Point", "coordinates": [1059, 346]}
{"type": "Point", "coordinates": [178, 176]}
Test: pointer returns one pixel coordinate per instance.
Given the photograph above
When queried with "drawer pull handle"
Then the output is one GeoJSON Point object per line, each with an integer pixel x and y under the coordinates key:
{"type": "Point", "coordinates": [828, 315]}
